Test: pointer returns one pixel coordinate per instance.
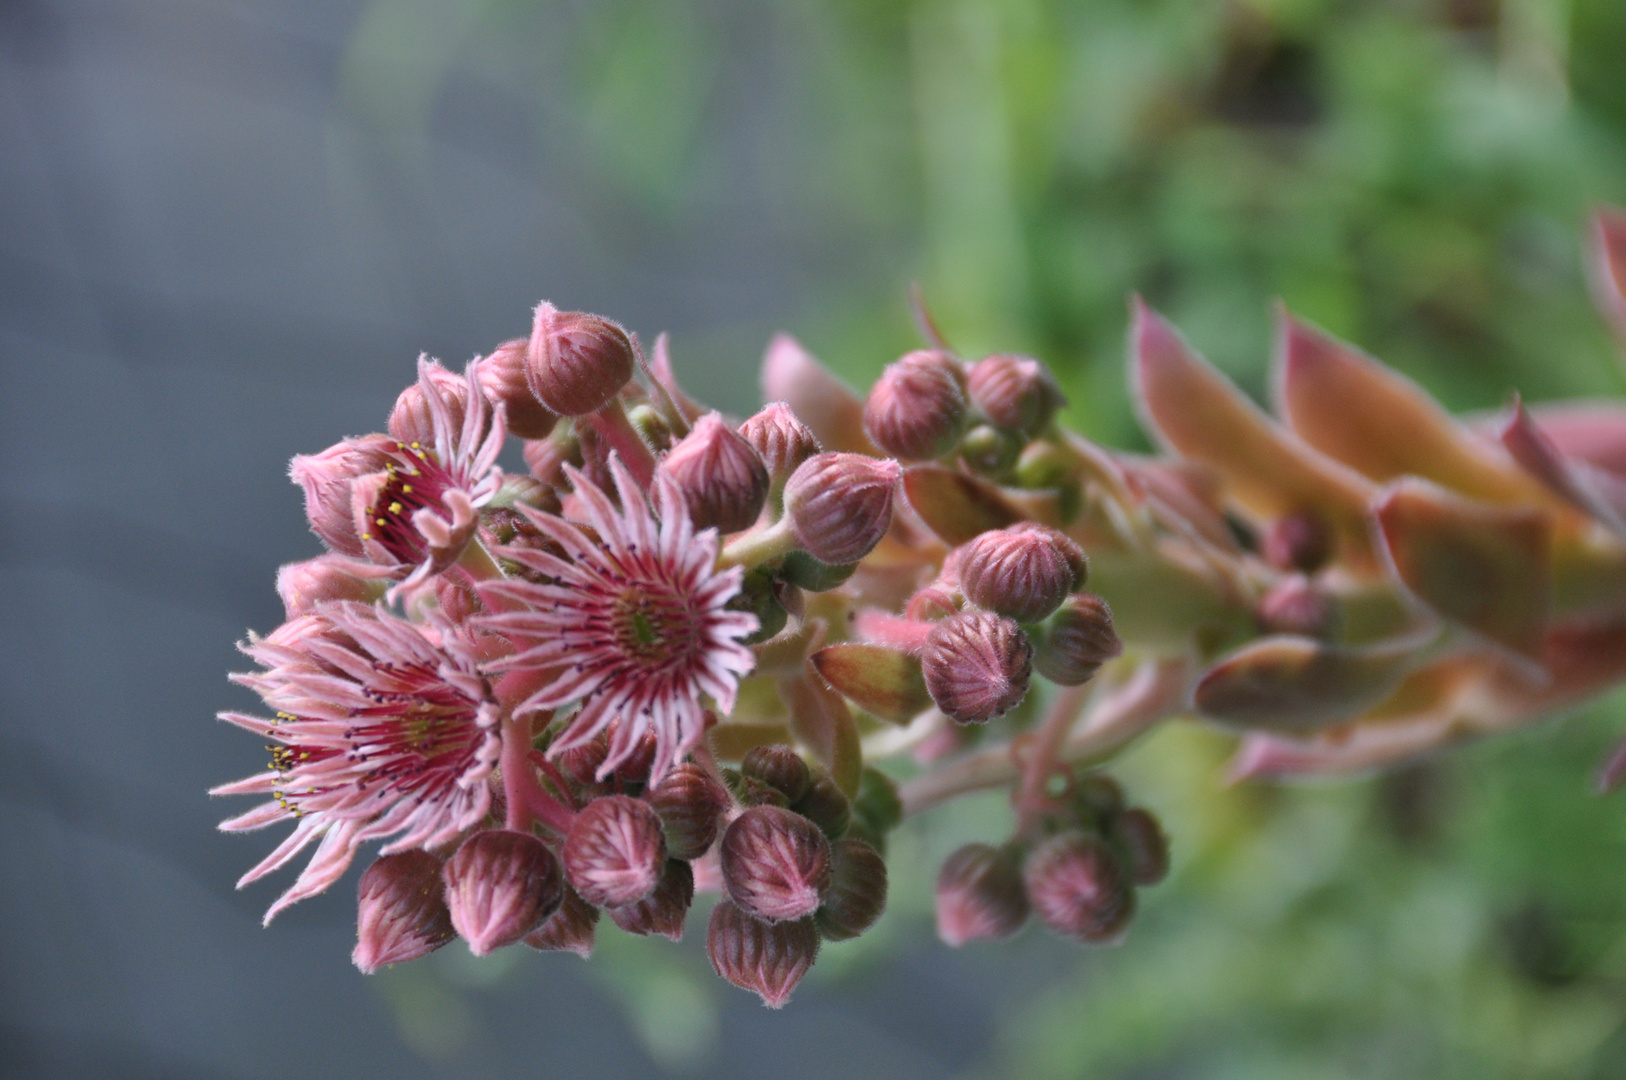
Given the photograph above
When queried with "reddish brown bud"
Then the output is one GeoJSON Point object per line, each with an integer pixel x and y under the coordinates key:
{"type": "Point", "coordinates": [412, 421]}
{"type": "Point", "coordinates": [1295, 605]}
{"type": "Point", "coordinates": [576, 362]}
{"type": "Point", "coordinates": [691, 806]}
{"type": "Point", "coordinates": [571, 928]}
{"type": "Point", "coordinates": [1078, 889]}
{"type": "Point", "coordinates": [780, 439]}
{"type": "Point", "coordinates": [1017, 393]}
{"type": "Point", "coordinates": [857, 893]}
{"type": "Point", "coordinates": [1076, 641]}
{"type": "Point", "coordinates": [615, 851]}
{"type": "Point", "coordinates": [916, 410]}
{"type": "Point", "coordinates": [826, 806]}
{"type": "Point", "coordinates": [980, 895]}
{"type": "Point", "coordinates": [749, 791]}
{"type": "Point", "coordinates": [401, 913]}
{"type": "Point", "coordinates": [303, 585]}
{"type": "Point", "coordinates": [767, 959]}
{"type": "Point", "coordinates": [1144, 845]}
{"type": "Point", "coordinates": [327, 479]}
{"type": "Point", "coordinates": [840, 505]}
{"type": "Point", "coordinates": [502, 374]}
{"type": "Point", "coordinates": [779, 766]}
{"type": "Point", "coordinates": [977, 665]}
{"type": "Point", "coordinates": [662, 911]}
{"type": "Point", "coordinates": [499, 886]}
{"type": "Point", "coordinates": [1297, 542]}
{"type": "Point", "coordinates": [723, 480]}
{"type": "Point", "coordinates": [1023, 572]}
{"type": "Point", "coordinates": [775, 863]}
{"type": "Point", "coordinates": [580, 764]}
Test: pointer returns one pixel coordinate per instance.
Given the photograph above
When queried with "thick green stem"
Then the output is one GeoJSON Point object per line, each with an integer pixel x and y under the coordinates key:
{"type": "Point", "coordinates": [760, 546]}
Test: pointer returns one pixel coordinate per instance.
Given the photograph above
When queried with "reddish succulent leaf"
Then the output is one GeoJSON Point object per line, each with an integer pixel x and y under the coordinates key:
{"type": "Point", "coordinates": [1590, 489]}
{"type": "Point", "coordinates": [1297, 684]}
{"type": "Point", "coordinates": [884, 682]}
{"type": "Point", "coordinates": [957, 507]}
{"type": "Point", "coordinates": [1592, 431]}
{"type": "Point", "coordinates": [1609, 265]}
{"type": "Point", "coordinates": [823, 402]}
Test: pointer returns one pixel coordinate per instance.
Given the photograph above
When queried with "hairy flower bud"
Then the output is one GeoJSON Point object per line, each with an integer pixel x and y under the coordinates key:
{"type": "Point", "coordinates": [1023, 572]}
{"type": "Point", "coordinates": [576, 362]}
{"type": "Point", "coordinates": [1295, 605]}
{"type": "Point", "coordinates": [722, 478]}
{"type": "Point", "coordinates": [916, 410]}
{"type": "Point", "coordinates": [1297, 542]}
{"type": "Point", "coordinates": [412, 421]}
{"type": "Point", "coordinates": [499, 886]}
{"type": "Point", "coordinates": [1017, 393]}
{"type": "Point", "coordinates": [401, 913]}
{"type": "Point", "coordinates": [980, 895]}
{"type": "Point", "coordinates": [691, 806]}
{"type": "Point", "coordinates": [826, 806]}
{"type": "Point", "coordinates": [571, 928]}
{"type": "Point", "coordinates": [615, 852]}
{"type": "Point", "coordinates": [857, 893]}
{"type": "Point", "coordinates": [840, 505]}
{"type": "Point", "coordinates": [303, 585]}
{"type": "Point", "coordinates": [780, 439]}
{"type": "Point", "coordinates": [1144, 845]}
{"type": "Point", "coordinates": [775, 863]}
{"type": "Point", "coordinates": [1076, 641]}
{"type": "Point", "coordinates": [977, 666]}
{"type": "Point", "coordinates": [932, 603]}
{"type": "Point", "coordinates": [651, 426]}
{"type": "Point", "coordinates": [502, 374]}
{"type": "Point", "coordinates": [768, 959]}
{"type": "Point", "coordinates": [779, 765]}
{"type": "Point", "coordinates": [1078, 889]}
{"type": "Point", "coordinates": [990, 450]}
{"type": "Point", "coordinates": [327, 479]}
{"type": "Point", "coordinates": [662, 911]}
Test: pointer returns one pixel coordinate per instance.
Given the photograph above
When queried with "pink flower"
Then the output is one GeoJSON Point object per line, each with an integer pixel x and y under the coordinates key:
{"type": "Point", "coordinates": [383, 728]}
{"type": "Point", "coordinates": [633, 622]}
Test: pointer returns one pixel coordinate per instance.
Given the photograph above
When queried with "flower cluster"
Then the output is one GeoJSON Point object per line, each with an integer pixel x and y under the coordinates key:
{"type": "Point", "coordinates": [666, 659]}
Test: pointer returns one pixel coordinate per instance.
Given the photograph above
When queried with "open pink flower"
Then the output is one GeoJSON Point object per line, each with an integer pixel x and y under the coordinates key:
{"type": "Point", "coordinates": [383, 728]}
{"type": "Point", "coordinates": [632, 621]}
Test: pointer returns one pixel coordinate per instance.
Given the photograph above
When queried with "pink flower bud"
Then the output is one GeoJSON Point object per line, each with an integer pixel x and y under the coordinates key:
{"type": "Point", "coordinates": [1297, 542]}
{"type": "Point", "coordinates": [1078, 889]}
{"type": "Point", "coordinates": [500, 885]}
{"type": "Point", "coordinates": [776, 864]}
{"type": "Point", "coordinates": [840, 505]}
{"type": "Point", "coordinates": [662, 911]}
{"type": "Point", "coordinates": [980, 895]}
{"type": "Point", "coordinates": [780, 439]}
{"type": "Point", "coordinates": [779, 766]}
{"type": "Point", "coordinates": [327, 478]}
{"type": "Point", "coordinates": [576, 362]}
{"type": "Point", "coordinates": [723, 480]}
{"type": "Point", "coordinates": [412, 421]}
{"type": "Point", "coordinates": [857, 893]}
{"type": "Point", "coordinates": [1023, 572]}
{"type": "Point", "coordinates": [503, 376]}
{"type": "Point", "coordinates": [916, 410]}
{"type": "Point", "coordinates": [691, 806]}
{"type": "Point", "coordinates": [615, 852]}
{"type": "Point", "coordinates": [767, 959]}
{"type": "Point", "coordinates": [1076, 641]}
{"type": "Point", "coordinates": [934, 602]}
{"type": "Point", "coordinates": [1144, 846]}
{"type": "Point", "coordinates": [1017, 393]}
{"type": "Point", "coordinates": [977, 665]}
{"type": "Point", "coordinates": [402, 911]}
{"type": "Point", "coordinates": [1295, 605]}
{"type": "Point", "coordinates": [571, 928]}
{"type": "Point", "coordinates": [826, 806]}
{"type": "Point", "coordinates": [303, 585]}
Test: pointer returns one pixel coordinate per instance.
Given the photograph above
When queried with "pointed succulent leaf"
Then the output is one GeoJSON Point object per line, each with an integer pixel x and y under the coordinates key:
{"type": "Point", "coordinates": [1587, 487]}
{"type": "Point", "coordinates": [823, 402]}
{"type": "Point", "coordinates": [1590, 431]}
{"type": "Point", "coordinates": [883, 681]}
{"type": "Point", "coordinates": [957, 507]}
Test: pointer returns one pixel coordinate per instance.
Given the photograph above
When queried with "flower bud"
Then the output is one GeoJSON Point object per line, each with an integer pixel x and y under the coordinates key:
{"type": "Point", "coordinates": [1023, 572]}
{"type": "Point", "coordinates": [826, 806]}
{"type": "Point", "coordinates": [1099, 798]}
{"type": "Point", "coordinates": [780, 766]}
{"type": "Point", "coordinates": [615, 851]}
{"type": "Point", "coordinates": [1295, 605]}
{"type": "Point", "coordinates": [857, 893]}
{"type": "Point", "coordinates": [980, 895]}
{"type": "Point", "coordinates": [1076, 641]}
{"type": "Point", "coordinates": [303, 585]}
{"type": "Point", "coordinates": [776, 864]}
{"type": "Point", "coordinates": [932, 603]}
{"type": "Point", "coordinates": [634, 766]}
{"type": "Point", "coordinates": [1144, 845]}
{"type": "Point", "coordinates": [401, 914]}
{"type": "Point", "coordinates": [767, 959]}
{"type": "Point", "coordinates": [580, 763]}
{"type": "Point", "coordinates": [1078, 889]}
{"type": "Point", "coordinates": [1043, 464]}
{"type": "Point", "coordinates": [691, 806]}
{"type": "Point", "coordinates": [749, 791]}
{"type": "Point", "coordinates": [916, 410]}
{"type": "Point", "coordinates": [977, 665]}
{"type": "Point", "coordinates": [327, 478]}
{"type": "Point", "coordinates": [804, 571]}
{"type": "Point", "coordinates": [546, 458]}
{"type": "Point", "coordinates": [500, 885]}
{"type": "Point", "coordinates": [840, 505]}
{"type": "Point", "coordinates": [412, 420]}
{"type": "Point", "coordinates": [876, 809]}
{"type": "Point", "coordinates": [1297, 542]}
{"type": "Point", "coordinates": [723, 480]}
{"type": "Point", "coordinates": [571, 928]}
{"type": "Point", "coordinates": [576, 362]}
{"type": "Point", "coordinates": [990, 450]}
{"type": "Point", "coordinates": [651, 426]}
{"type": "Point", "coordinates": [457, 601]}
{"type": "Point", "coordinates": [780, 439]}
{"type": "Point", "coordinates": [662, 911]}
{"type": "Point", "coordinates": [1017, 393]}
{"type": "Point", "coordinates": [503, 377]}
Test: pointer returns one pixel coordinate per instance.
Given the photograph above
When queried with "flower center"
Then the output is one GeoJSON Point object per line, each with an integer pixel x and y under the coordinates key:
{"type": "Point", "coordinates": [653, 631]}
